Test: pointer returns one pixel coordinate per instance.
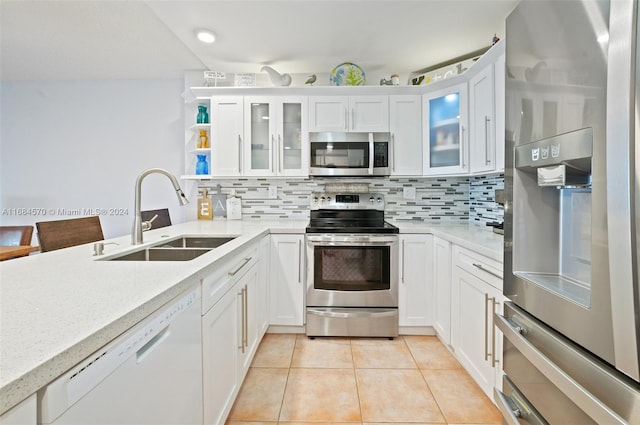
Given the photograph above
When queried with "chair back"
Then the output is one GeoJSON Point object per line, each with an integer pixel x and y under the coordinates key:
{"type": "Point", "coordinates": [71, 232]}
{"type": "Point", "coordinates": [163, 219]}
{"type": "Point", "coordinates": [15, 235]}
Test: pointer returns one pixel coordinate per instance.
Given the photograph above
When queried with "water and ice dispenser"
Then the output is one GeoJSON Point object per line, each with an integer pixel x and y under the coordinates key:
{"type": "Point", "coordinates": [552, 244]}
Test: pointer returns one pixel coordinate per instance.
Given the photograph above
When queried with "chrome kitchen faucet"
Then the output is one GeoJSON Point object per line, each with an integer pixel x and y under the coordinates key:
{"type": "Point", "coordinates": [140, 226]}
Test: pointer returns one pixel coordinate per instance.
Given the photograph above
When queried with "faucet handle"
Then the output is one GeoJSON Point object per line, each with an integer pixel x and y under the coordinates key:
{"type": "Point", "coordinates": [146, 225]}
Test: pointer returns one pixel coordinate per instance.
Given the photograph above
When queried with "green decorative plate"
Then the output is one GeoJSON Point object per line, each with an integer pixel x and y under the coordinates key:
{"type": "Point", "coordinates": [347, 74]}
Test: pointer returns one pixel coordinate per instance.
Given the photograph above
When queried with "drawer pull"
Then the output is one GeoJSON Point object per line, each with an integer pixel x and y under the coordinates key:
{"type": "Point", "coordinates": [484, 269]}
{"type": "Point", "coordinates": [244, 263]}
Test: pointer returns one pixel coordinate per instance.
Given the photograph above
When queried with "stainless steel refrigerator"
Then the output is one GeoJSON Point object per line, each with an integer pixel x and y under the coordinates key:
{"type": "Point", "coordinates": [572, 178]}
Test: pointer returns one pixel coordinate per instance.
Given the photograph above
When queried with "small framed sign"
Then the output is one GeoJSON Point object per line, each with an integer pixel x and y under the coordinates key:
{"type": "Point", "coordinates": [245, 80]}
{"type": "Point", "coordinates": [212, 77]}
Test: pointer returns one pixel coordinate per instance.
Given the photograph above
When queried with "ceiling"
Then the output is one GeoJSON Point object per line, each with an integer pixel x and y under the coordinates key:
{"type": "Point", "coordinates": [71, 40]}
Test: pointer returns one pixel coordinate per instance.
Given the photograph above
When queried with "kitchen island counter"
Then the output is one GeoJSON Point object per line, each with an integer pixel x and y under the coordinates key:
{"type": "Point", "coordinates": [59, 307]}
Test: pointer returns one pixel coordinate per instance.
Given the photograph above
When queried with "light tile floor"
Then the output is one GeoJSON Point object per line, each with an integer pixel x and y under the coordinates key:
{"type": "Point", "coordinates": [294, 380]}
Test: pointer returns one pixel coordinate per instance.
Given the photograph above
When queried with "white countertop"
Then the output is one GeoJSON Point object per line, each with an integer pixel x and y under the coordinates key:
{"type": "Point", "coordinates": [59, 307]}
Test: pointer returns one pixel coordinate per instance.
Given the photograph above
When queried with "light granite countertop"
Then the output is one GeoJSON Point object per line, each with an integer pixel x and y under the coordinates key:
{"type": "Point", "coordinates": [59, 307]}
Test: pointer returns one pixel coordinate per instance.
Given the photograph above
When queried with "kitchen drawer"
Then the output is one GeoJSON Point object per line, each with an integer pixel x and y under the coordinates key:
{"type": "Point", "coordinates": [480, 266]}
{"type": "Point", "coordinates": [228, 271]}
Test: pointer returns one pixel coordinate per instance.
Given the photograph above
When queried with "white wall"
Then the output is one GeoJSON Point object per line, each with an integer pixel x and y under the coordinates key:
{"type": "Point", "coordinates": [81, 144]}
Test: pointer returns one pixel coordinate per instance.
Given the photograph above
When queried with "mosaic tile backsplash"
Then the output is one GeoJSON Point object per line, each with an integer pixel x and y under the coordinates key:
{"type": "Point", "coordinates": [448, 199]}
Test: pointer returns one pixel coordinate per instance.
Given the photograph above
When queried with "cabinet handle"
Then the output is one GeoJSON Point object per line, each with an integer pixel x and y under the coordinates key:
{"type": "Point", "coordinates": [402, 266]}
{"type": "Point", "coordinates": [273, 155]}
{"type": "Point", "coordinates": [494, 359]}
{"type": "Point", "coordinates": [241, 295]}
{"type": "Point", "coordinates": [462, 130]}
{"type": "Point", "coordinates": [487, 120]}
{"type": "Point", "coordinates": [299, 261]}
{"type": "Point", "coordinates": [393, 152]}
{"type": "Point", "coordinates": [244, 263]}
{"type": "Point", "coordinates": [239, 154]}
{"type": "Point", "coordinates": [353, 118]}
{"type": "Point", "coordinates": [484, 269]}
{"type": "Point", "coordinates": [486, 327]}
{"type": "Point", "coordinates": [245, 317]}
{"type": "Point", "coordinates": [346, 119]}
{"type": "Point", "coordinates": [280, 153]}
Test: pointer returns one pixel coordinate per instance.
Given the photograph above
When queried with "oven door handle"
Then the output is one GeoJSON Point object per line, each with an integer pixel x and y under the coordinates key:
{"type": "Point", "coordinates": [351, 243]}
{"type": "Point", "coordinates": [565, 383]}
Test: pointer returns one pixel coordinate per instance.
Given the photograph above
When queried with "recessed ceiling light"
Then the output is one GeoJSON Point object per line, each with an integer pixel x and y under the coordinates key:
{"type": "Point", "coordinates": [205, 36]}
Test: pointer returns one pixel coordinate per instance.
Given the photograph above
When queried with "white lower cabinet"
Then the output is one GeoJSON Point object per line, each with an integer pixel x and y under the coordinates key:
{"type": "Point", "coordinates": [286, 283]}
{"type": "Point", "coordinates": [231, 329]}
{"type": "Point", "coordinates": [220, 329]}
{"type": "Point", "coordinates": [476, 295]}
{"type": "Point", "coordinates": [262, 294]}
{"type": "Point", "coordinates": [442, 283]}
{"type": "Point", "coordinates": [25, 413]}
{"type": "Point", "coordinates": [416, 297]}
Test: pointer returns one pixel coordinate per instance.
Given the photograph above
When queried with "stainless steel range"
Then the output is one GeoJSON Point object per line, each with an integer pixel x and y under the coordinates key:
{"type": "Point", "coordinates": [352, 267]}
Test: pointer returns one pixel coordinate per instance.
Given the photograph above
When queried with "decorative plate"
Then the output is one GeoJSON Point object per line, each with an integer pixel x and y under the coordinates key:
{"type": "Point", "coordinates": [347, 74]}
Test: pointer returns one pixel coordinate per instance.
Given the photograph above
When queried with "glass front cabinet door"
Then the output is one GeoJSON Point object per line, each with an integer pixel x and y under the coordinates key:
{"type": "Point", "coordinates": [277, 136]}
{"type": "Point", "coordinates": [446, 139]}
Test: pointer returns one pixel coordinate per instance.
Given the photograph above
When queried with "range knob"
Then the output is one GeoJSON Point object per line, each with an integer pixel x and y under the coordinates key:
{"type": "Point", "coordinates": [379, 200]}
{"type": "Point", "coordinates": [328, 198]}
{"type": "Point", "coordinates": [371, 199]}
{"type": "Point", "coordinates": [315, 199]}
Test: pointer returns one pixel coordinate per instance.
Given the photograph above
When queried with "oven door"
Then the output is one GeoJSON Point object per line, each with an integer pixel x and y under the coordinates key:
{"type": "Point", "coordinates": [352, 270]}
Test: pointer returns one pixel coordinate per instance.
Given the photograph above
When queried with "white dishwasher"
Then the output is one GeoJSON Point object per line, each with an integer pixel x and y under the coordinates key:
{"type": "Point", "coordinates": [151, 374]}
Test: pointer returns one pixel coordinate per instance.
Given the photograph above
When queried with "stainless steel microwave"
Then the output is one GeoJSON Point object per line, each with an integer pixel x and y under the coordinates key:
{"type": "Point", "coordinates": [349, 154]}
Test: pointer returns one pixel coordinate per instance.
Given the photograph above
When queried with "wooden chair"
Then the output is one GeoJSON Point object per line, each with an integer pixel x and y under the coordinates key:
{"type": "Point", "coordinates": [15, 235]}
{"type": "Point", "coordinates": [65, 233]}
{"type": "Point", "coordinates": [163, 219]}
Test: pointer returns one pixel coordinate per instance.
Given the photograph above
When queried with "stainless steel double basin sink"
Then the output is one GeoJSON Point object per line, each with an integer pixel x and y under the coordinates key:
{"type": "Point", "coordinates": [183, 248]}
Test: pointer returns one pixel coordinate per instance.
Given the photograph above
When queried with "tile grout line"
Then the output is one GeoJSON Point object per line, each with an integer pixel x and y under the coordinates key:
{"type": "Point", "coordinates": [425, 381]}
{"type": "Point", "coordinates": [355, 378]}
{"type": "Point", "coordinates": [295, 342]}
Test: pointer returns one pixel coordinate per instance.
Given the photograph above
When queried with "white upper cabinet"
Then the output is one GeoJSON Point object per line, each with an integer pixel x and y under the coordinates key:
{"type": "Point", "coordinates": [446, 142]}
{"type": "Point", "coordinates": [405, 125]}
{"type": "Point", "coordinates": [349, 113]}
{"type": "Point", "coordinates": [482, 121]}
{"type": "Point", "coordinates": [276, 136]}
{"type": "Point", "coordinates": [227, 132]}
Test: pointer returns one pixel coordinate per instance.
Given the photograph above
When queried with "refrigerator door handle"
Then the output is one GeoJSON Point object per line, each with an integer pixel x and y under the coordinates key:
{"type": "Point", "coordinates": [621, 167]}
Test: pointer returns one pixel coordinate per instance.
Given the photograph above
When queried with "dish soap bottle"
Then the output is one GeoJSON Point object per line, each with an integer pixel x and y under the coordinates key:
{"type": "Point", "coordinates": [234, 207]}
{"type": "Point", "coordinates": [202, 167]}
{"type": "Point", "coordinates": [205, 207]}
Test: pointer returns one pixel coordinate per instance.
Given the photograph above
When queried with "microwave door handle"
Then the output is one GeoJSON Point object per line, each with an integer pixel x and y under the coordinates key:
{"type": "Point", "coordinates": [620, 168]}
{"type": "Point", "coordinates": [371, 154]}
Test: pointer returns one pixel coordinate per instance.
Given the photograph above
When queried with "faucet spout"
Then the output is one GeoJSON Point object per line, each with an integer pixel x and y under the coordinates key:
{"type": "Point", "coordinates": [136, 232]}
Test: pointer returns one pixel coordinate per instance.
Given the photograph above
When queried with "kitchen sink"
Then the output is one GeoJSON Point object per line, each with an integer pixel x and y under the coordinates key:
{"type": "Point", "coordinates": [183, 248]}
{"type": "Point", "coordinates": [196, 242]}
{"type": "Point", "coordinates": [162, 254]}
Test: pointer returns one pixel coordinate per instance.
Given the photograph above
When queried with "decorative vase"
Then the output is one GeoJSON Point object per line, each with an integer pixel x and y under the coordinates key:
{"type": "Point", "coordinates": [203, 140]}
{"type": "Point", "coordinates": [203, 115]}
{"type": "Point", "coordinates": [202, 167]}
